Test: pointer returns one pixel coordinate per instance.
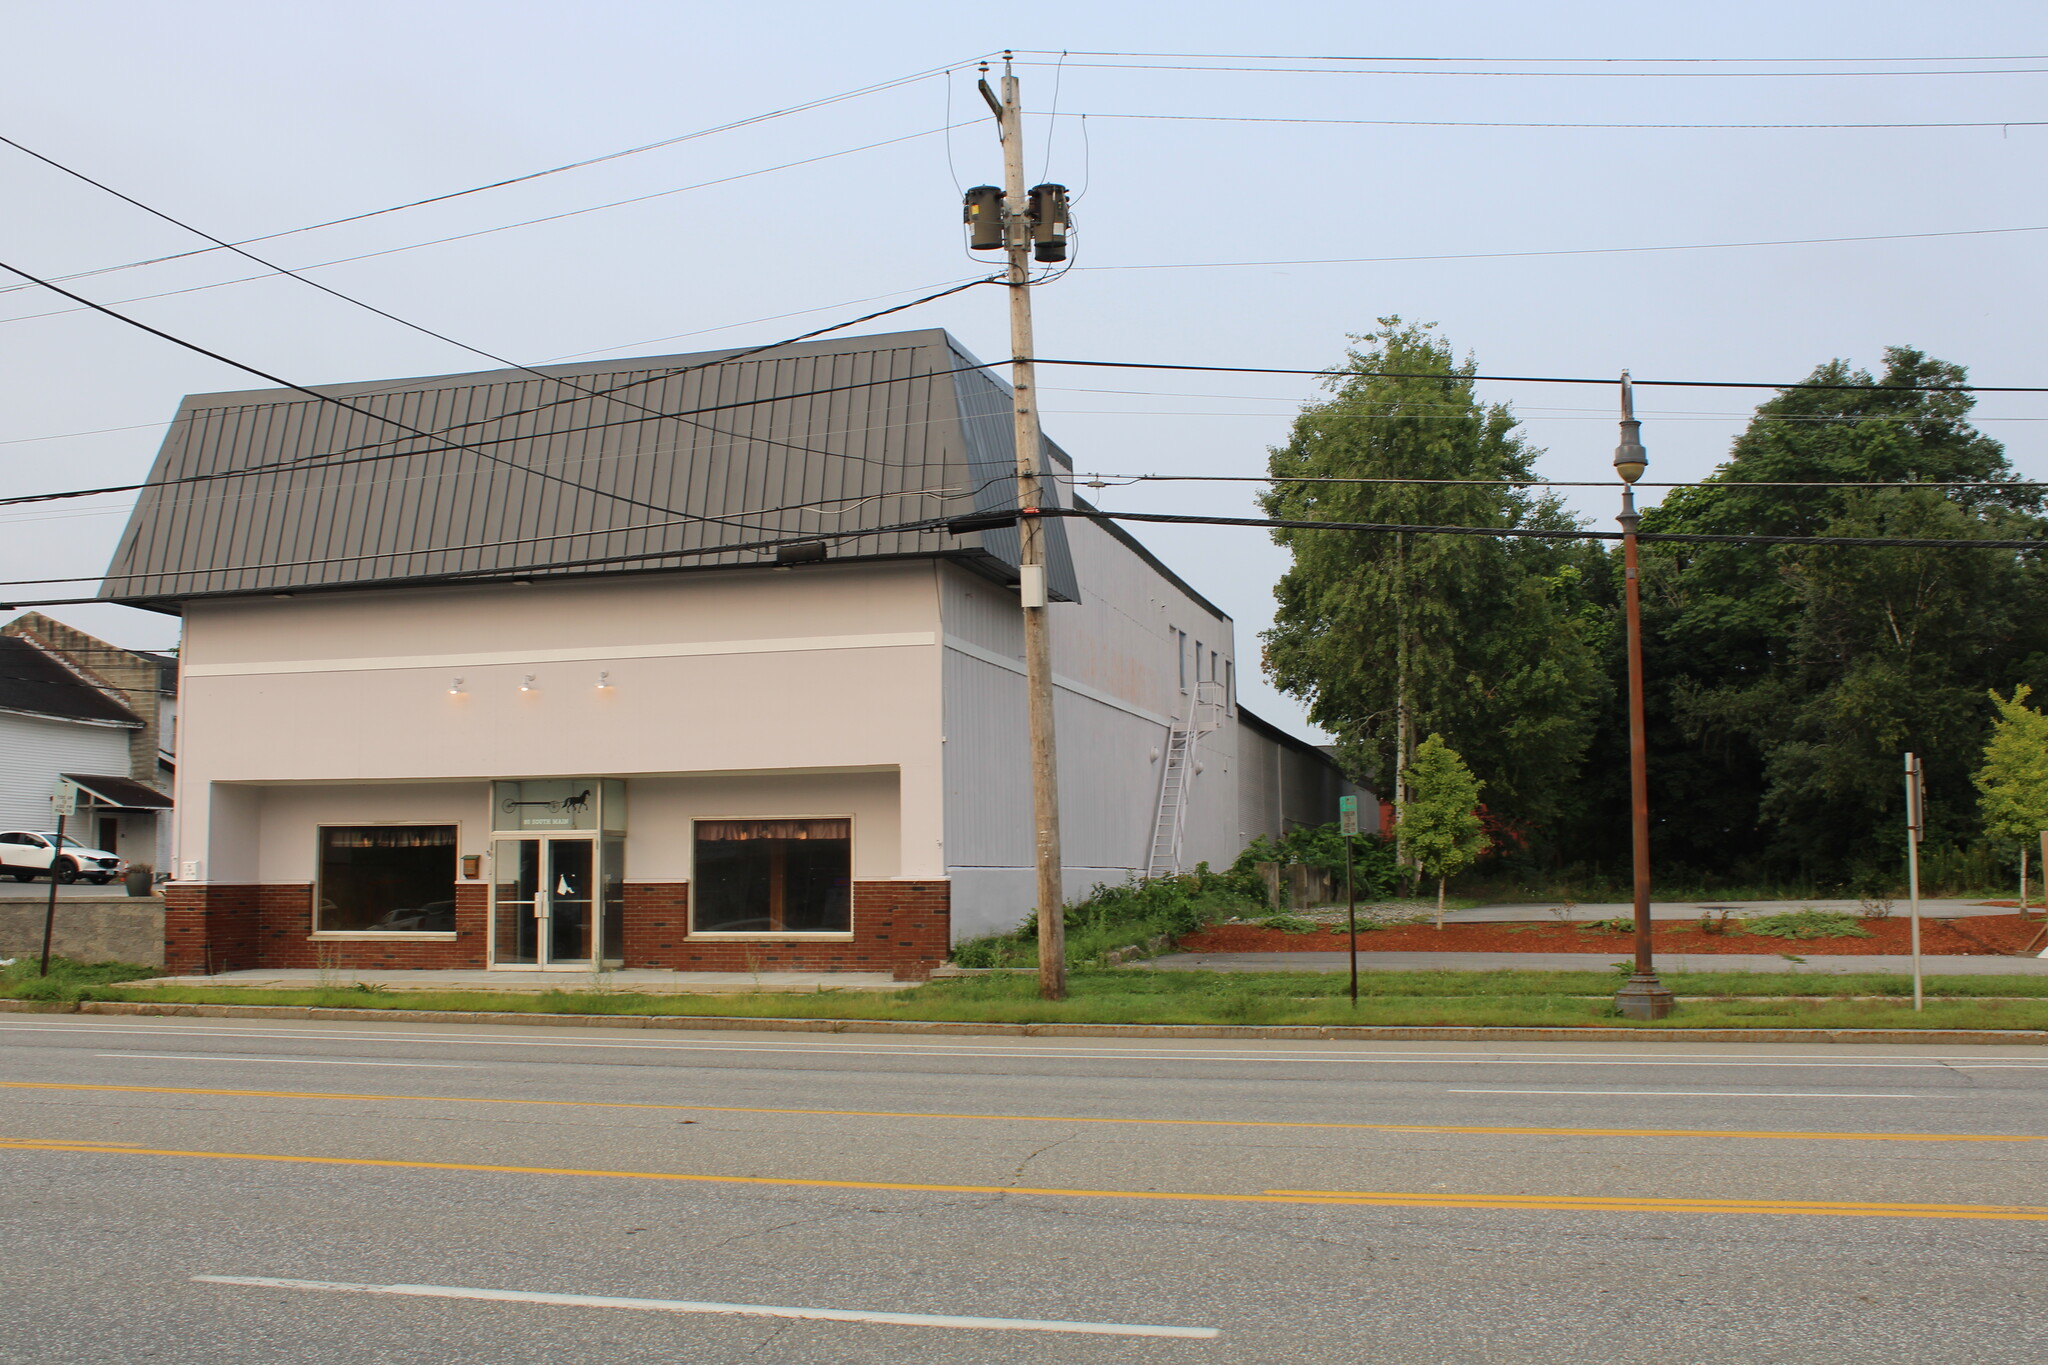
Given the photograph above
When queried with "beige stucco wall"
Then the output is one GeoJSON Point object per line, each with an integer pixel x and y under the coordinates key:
{"type": "Point", "coordinates": [757, 674]}
{"type": "Point", "coordinates": [659, 811]}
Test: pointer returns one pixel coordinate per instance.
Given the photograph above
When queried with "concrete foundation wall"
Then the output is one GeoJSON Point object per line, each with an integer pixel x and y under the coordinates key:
{"type": "Point", "coordinates": [116, 929]}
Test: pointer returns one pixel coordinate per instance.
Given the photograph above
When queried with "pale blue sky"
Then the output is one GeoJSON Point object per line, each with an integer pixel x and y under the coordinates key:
{"type": "Point", "coordinates": [251, 118]}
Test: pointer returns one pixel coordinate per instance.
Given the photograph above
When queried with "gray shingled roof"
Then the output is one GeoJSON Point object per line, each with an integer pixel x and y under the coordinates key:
{"type": "Point", "coordinates": [340, 500]}
{"type": "Point", "coordinates": [32, 681]}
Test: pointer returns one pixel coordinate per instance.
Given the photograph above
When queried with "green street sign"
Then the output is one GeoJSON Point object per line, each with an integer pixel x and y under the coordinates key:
{"type": "Point", "coordinates": [1347, 814]}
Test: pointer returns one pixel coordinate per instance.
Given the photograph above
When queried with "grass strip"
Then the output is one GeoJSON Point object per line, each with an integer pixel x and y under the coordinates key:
{"type": "Point", "coordinates": [1467, 999]}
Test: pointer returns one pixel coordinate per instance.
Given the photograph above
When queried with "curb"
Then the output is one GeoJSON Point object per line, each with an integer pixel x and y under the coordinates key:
{"type": "Point", "coordinates": [1335, 1033]}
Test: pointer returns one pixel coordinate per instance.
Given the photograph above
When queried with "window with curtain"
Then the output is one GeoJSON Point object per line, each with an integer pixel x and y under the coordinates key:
{"type": "Point", "coordinates": [773, 877]}
{"type": "Point", "coordinates": [386, 879]}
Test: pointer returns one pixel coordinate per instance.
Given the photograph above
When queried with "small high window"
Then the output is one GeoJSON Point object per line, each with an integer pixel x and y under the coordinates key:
{"type": "Point", "coordinates": [773, 877]}
{"type": "Point", "coordinates": [386, 879]}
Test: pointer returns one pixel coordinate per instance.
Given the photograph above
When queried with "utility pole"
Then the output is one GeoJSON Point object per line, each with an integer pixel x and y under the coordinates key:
{"type": "Point", "coordinates": [1037, 220]}
{"type": "Point", "coordinates": [1643, 996]}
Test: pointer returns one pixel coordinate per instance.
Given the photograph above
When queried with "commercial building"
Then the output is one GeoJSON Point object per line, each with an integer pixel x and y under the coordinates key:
{"type": "Point", "coordinates": [665, 662]}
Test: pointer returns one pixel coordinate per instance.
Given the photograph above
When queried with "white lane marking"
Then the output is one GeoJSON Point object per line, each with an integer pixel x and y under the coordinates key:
{"type": "Point", "coordinates": [1052, 1051]}
{"type": "Point", "coordinates": [752, 1310]}
{"type": "Point", "coordinates": [291, 1061]}
{"type": "Point", "coordinates": [1709, 1094]}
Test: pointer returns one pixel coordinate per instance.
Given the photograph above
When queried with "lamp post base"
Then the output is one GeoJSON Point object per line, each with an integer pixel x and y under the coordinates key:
{"type": "Point", "coordinates": [1644, 997]}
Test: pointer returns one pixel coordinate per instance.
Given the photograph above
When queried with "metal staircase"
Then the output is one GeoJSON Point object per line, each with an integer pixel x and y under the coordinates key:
{"type": "Point", "coordinates": [1173, 804]}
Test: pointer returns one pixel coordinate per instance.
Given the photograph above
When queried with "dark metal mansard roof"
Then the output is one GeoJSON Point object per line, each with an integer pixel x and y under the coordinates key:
{"type": "Point", "coordinates": [32, 681]}
{"type": "Point", "coordinates": [271, 491]}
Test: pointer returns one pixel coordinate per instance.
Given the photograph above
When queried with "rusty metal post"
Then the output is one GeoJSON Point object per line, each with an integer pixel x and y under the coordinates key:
{"type": "Point", "coordinates": [1643, 996]}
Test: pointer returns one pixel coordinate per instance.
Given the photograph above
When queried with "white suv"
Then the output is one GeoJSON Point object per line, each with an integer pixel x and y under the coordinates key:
{"type": "Point", "coordinates": [25, 853]}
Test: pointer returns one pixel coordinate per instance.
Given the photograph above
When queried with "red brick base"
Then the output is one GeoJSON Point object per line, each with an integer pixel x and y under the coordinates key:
{"type": "Point", "coordinates": [903, 928]}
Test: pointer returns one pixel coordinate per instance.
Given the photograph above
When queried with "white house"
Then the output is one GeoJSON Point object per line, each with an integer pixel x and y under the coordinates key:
{"type": "Point", "coordinates": [675, 662]}
{"type": "Point", "coordinates": [76, 708]}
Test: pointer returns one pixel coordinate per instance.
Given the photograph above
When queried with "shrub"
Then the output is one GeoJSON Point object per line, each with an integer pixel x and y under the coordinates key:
{"type": "Point", "coordinates": [1121, 916]}
{"type": "Point", "coordinates": [1805, 924]}
{"type": "Point", "coordinates": [1374, 871]}
{"type": "Point", "coordinates": [1291, 924]}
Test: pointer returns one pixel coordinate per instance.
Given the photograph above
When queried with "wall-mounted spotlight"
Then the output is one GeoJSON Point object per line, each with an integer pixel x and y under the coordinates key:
{"type": "Point", "coordinates": [455, 688]}
{"type": "Point", "coordinates": [604, 680]}
{"type": "Point", "coordinates": [526, 684]}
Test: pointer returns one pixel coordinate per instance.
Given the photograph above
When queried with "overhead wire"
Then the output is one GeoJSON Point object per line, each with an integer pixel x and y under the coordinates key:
{"type": "Point", "coordinates": [807, 106]}
{"type": "Point", "coordinates": [407, 427]}
{"type": "Point", "coordinates": [341, 457]}
{"type": "Point", "coordinates": [1561, 483]}
{"type": "Point", "coordinates": [611, 394]}
{"type": "Point", "coordinates": [1509, 123]}
{"type": "Point", "coordinates": [467, 236]}
{"type": "Point", "coordinates": [1536, 533]}
{"type": "Point", "coordinates": [1538, 61]}
{"type": "Point", "coordinates": [1558, 75]}
{"type": "Point", "coordinates": [1546, 379]}
{"type": "Point", "coordinates": [1575, 251]}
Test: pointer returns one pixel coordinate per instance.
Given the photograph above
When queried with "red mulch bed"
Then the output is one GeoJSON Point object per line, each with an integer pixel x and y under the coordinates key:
{"type": "Point", "coordinates": [1982, 935]}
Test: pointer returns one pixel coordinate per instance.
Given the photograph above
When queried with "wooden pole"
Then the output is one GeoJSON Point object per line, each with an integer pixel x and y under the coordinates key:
{"type": "Point", "coordinates": [1032, 588]}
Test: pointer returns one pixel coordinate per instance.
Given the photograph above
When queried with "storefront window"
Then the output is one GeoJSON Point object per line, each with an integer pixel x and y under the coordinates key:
{"type": "Point", "coordinates": [386, 879]}
{"type": "Point", "coordinates": [773, 876]}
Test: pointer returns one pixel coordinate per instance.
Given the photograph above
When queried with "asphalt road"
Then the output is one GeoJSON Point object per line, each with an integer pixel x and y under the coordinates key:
{"type": "Point", "coordinates": [200, 1191]}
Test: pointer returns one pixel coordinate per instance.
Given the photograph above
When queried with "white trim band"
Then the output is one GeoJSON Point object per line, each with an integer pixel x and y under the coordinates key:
{"type": "Point", "coordinates": [593, 654]}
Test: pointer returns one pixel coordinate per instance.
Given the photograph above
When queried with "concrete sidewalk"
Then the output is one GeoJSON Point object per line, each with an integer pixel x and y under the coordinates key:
{"type": "Point", "coordinates": [1814, 964]}
{"type": "Point", "coordinates": [631, 981]}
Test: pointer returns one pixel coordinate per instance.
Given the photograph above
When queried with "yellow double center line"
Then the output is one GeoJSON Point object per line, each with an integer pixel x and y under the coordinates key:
{"type": "Point", "coordinates": [1338, 1198]}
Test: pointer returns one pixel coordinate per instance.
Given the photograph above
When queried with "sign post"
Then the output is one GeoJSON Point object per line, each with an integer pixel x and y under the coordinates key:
{"type": "Point", "coordinates": [1916, 826]}
{"type": "Point", "coordinates": [64, 801]}
{"type": "Point", "coordinates": [1347, 816]}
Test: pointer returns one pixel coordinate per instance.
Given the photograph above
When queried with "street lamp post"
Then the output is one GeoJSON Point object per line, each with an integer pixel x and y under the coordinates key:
{"type": "Point", "coordinates": [1643, 996]}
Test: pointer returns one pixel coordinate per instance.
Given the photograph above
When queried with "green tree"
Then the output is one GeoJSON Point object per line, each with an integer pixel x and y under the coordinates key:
{"type": "Point", "coordinates": [1440, 829]}
{"type": "Point", "coordinates": [1785, 681]}
{"type": "Point", "coordinates": [1493, 642]}
{"type": "Point", "coordinates": [2013, 783]}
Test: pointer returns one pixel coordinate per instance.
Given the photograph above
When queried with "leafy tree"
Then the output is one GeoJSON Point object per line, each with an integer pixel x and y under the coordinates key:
{"type": "Point", "coordinates": [2013, 783]}
{"type": "Point", "coordinates": [1441, 829]}
{"type": "Point", "coordinates": [1493, 642]}
{"type": "Point", "coordinates": [1785, 681]}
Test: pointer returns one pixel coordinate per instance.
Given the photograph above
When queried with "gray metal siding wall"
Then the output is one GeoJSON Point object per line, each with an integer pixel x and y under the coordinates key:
{"type": "Point", "coordinates": [989, 432]}
{"type": "Point", "coordinates": [345, 498]}
{"type": "Point", "coordinates": [1115, 644]}
{"type": "Point", "coordinates": [1281, 787]}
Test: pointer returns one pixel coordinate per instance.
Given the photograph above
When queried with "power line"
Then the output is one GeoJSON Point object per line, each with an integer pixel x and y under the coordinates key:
{"type": "Point", "coordinates": [551, 360]}
{"type": "Point", "coordinates": [466, 236]}
{"type": "Point", "coordinates": [611, 393]}
{"type": "Point", "coordinates": [806, 107]}
{"type": "Point", "coordinates": [1550, 379]}
{"type": "Point", "coordinates": [1539, 61]}
{"type": "Point", "coordinates": [988, 521]}
{"type": "Point", "coordinates": [417, 552]}
{"type": "Point", "coordinates": [374, 416]}
{"type": "Point", "coordinates": [1503, 123]}
{"type": "Point", "coordinates": [342, 457]}
{"type": "Point", "coordinates": [1572, 251]}
{"type": "Point", "coordinates": [1551, 483]}
{"type": "Point", "coordinates": [1539, 75]}
{"type": "Point", "coordinates": [984, 522]}
{"type": "Point", "coordinates": [336, 458]}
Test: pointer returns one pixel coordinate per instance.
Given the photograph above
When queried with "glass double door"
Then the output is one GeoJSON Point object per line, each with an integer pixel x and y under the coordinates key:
{"type": "Point", "coordinates": [549, 904]}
